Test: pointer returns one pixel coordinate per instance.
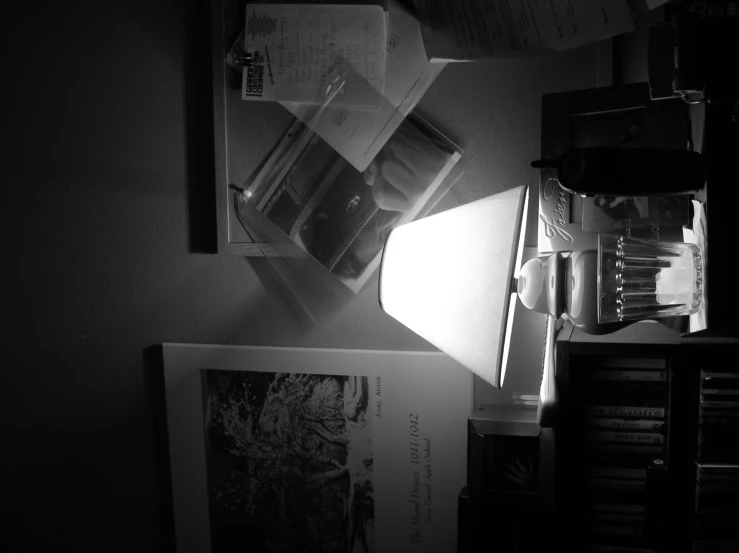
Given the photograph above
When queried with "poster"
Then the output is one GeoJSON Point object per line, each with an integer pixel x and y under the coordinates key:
{"type": "Point", "coordinates": [294, 449]}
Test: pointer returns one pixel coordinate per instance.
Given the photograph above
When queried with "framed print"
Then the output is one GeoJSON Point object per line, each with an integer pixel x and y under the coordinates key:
{"type": "Point", "coordinates": [293, 449]}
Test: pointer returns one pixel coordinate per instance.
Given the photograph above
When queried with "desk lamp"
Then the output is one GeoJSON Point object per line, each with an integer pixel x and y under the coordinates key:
{"type": "Point", "coordinates": [453, 279]}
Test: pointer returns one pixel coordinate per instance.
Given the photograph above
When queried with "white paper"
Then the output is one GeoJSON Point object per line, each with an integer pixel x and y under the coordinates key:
{"type": "Point", "coordinates": [416, 401]}
{"type": "Point", "coordinates": [697, 236]}
{"type": "Point", "coordinates": [293, 52]}
{"type": "Point", "coordinates": [477, 29]}
{"type": "Point", "coordinates": [359, 135]}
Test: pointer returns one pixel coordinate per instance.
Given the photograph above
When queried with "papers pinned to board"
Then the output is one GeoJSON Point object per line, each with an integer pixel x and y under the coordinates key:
{"type": "Point", "coordinates": [294, 52]}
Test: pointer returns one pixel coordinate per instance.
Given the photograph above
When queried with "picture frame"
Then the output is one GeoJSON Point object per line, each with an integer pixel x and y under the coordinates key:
{"type": "Point", "coordinates": [244, 424]}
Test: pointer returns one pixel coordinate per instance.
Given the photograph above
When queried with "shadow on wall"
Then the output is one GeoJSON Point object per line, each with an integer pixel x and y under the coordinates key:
{"type": "Point", "coordinates": [310, 297]}
{"type": "Point", "coordinates": [155, 394]}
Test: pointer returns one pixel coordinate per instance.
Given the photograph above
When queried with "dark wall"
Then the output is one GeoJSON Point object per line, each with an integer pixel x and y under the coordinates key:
{"type": "Point", "coordinates": [107, 157]}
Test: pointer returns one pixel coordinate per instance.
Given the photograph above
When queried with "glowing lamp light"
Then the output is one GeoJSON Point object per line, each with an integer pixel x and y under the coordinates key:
{"type": "Point", "coordinates": [451, 278]}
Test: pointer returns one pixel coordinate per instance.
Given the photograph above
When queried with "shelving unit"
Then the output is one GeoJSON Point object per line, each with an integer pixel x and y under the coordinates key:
{"type": "Point", "coordinates": [641, 496]}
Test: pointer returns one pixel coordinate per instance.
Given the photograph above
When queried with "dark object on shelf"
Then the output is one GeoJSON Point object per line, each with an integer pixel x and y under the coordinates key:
{"type": "Point", "coordinates": [510, 458]}
{"type": "Point", "coordinates": [695, 58]}
{"type": "Point", "coordinates": [627, 171]}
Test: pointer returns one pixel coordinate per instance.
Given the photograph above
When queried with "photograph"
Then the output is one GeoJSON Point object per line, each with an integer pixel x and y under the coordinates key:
{"type": "Point", "coordinates": [638, 216]}
{"type": "Point", "coordinates": [341, 216]}
{"type": "Point", "coordinates": [289, 462]}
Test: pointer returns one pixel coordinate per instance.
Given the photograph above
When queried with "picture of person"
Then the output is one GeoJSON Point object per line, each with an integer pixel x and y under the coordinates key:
{"type": "Point", "coordinates": [619, 207]}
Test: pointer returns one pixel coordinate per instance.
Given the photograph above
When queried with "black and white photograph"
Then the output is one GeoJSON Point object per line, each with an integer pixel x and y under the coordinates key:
{"type": "Point", "coordinates": [289, 462]}
{"type": "Point", "coordinates": [341, 216]}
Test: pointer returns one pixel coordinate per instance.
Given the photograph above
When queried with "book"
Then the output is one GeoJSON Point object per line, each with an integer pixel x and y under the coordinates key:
{"type": "Point", "coordinates": [600, 548]}
{"type": "Point", "coordinates": [631, 362]}
{"type": "Point", "coordinates": [729, 403]}
{"type": "Point", "coordinates": [631, 411]}
{"type": "Point", "coordinates": [627, 374]}
{"type": "Point", "coordinates": [720, 391]}
{"type": "Point", "coordinates": [305, 194]}
{"type": "Point", "coordinates": [615, 507]}
{"type": "Point", "coordinates": [620, 392]}
{"type": "Point", "coordinates": [616, 518]}
{"type": "Point", "coordinates": [315, 449]}
{"type": "Point", "coordinates": [616, 484]}
{"type": "Point", "coordinates": [626, 448]}
{"type": "Point", "coordinates": [624, 424]}
{"type": "Point", "coordinates": [617, 472]}
{"type": "Point", "coordinates": [295, 53]}
{"type": "Point", "coordinates": [599, 436]}
{"type": "Point", "coordinates": [732, 377]}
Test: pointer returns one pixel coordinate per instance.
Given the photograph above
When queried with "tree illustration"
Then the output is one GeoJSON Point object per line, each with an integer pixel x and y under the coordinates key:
{"type": "Point", "coordinates": [290, 444]}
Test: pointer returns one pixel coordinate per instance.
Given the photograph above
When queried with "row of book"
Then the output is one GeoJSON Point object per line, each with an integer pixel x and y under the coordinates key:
{"type": "Point", "coordinates": [625, 444]}
{"type": "Point", "coordinates": [716, 527]}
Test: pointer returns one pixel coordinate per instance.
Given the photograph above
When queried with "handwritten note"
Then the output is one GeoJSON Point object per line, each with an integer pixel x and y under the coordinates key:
{"type": "Point", "coordinates": [293, 53]}
{"type": "Point", "coordinates": [358, 135]}
{"type": "Point", "coordinates": [457, 30]}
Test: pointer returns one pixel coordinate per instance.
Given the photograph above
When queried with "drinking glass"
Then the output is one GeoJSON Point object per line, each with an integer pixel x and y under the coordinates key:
{"type": "Point", "coordinates": [641, 279]}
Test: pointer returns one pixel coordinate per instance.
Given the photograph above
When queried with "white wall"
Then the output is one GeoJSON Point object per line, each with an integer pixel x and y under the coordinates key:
{"type": "Point", "coordinates": [103, 167]}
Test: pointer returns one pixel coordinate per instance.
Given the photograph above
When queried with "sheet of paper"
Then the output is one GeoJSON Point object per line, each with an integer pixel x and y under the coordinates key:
{"type": "Point", "coordinates": [294, 52]}
{"type": "Point", "coordinates": [359, 135]}
{"type": "Point", "coordinates": [697, 236]}
{"type": "Point", "coordinates": [477, 29]}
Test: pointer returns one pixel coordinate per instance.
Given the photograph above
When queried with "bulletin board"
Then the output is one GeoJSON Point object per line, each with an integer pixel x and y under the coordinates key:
{"type": "Point", "coordinates": [491, 109]}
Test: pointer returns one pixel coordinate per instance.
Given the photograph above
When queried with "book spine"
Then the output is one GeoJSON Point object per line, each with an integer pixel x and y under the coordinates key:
{"type": "Point", "coordinates": [617, 472]}
{"type": "Point", "coordinates": [614, 507]}
{"type": "Point", "coordinates": [624, 424]}
{"type": "Point", "coordinates": [598, 548]}
{"type": "Point", "coordinates": [616, 484]}
{"type": "Point", "coordinates": [638, 449]}
{"type": "Point", "coordinates": [633, 362]}
{"type": "Point", "coordinates": [721, 391]}
{"type": "Point", "coordinates": [632, 375]}
{"type": "Point", "coordinates": [720, 404]}
{"type": "Point", "coordinates": [629, 530]}
{"type": "Point", "coordinates": [712, 375]}
{"type": "Point", "coordinates": [626, 411]}
{"type": "Point", "coordinates": [599, 436]}
{"type": "Point", "coordinates": [616, 518]}
{"type": "Point", "coordinates": [626, 393]}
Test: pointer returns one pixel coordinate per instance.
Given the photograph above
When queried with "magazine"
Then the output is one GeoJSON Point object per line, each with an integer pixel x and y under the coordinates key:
{"type": "Point", "coordinates": [294, 449]}
{"type": "Point", "coordinates": [340, 216]}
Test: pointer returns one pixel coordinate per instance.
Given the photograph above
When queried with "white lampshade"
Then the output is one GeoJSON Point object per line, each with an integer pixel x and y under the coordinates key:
{"type": "Point", "coordinates": [449, 278]}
